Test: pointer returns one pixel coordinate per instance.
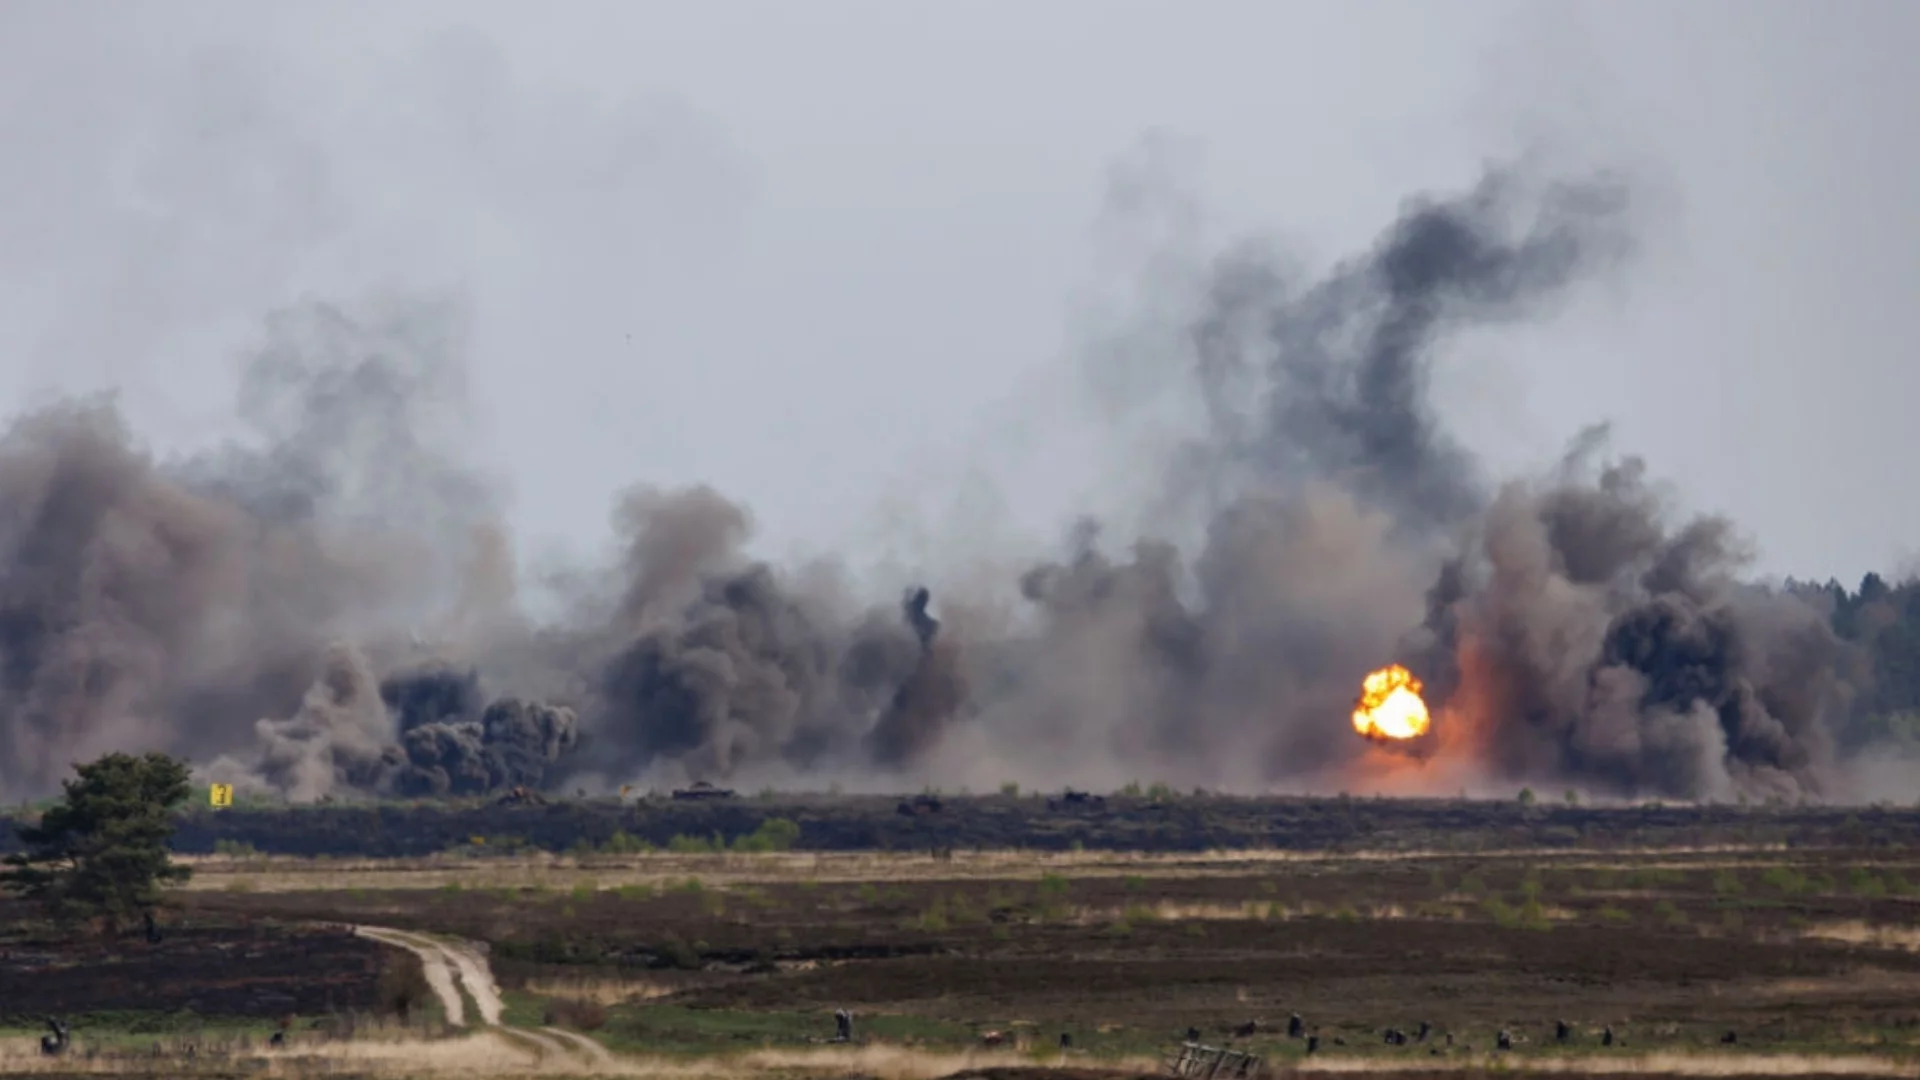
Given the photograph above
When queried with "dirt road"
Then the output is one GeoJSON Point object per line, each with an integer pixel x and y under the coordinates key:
{"type": "Point", "coordinates": [433, 960]}
{"type": "Point", "coordinates": [452, 965]}
{"type": "Point", "coordinates": [600, 1055]}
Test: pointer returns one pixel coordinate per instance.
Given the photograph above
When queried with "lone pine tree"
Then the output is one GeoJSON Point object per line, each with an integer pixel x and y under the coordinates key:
{"type": "Point", "coordinates": [101, 852]}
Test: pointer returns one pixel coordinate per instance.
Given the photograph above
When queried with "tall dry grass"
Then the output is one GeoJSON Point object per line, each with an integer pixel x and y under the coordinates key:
{"type": "Point", "coordinates": [1655, 1064]}
{"type": "Point", "coordinates": [599, 991]}
{"type": "Point", "coordinates": [1856, 932]}
{"type": "Point", "coordinates": [659, 869]}
{"type": "Point", "coordinates": [499, 1055]}
{"type": "Point", "coordinates": [503, 1054]}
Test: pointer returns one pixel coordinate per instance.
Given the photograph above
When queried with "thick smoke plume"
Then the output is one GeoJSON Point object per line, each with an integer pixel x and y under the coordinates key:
{"type": "Point", "coordinates": [328, 607]}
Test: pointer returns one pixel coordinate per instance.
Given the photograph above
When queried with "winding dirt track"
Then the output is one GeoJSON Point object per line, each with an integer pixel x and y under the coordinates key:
{"type": "Point", "coordinates": [433, 961]}
{"type": "Point", "coordinates": [599, 1054]}
{"type": "Point", "coordinates": [451, 966]}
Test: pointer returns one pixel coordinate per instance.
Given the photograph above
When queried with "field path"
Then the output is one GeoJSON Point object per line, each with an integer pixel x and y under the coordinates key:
{"type": "Point", "coordinates": [443, 961]}
{"type": "Point", "coordinates": [477, 977]}
{"type": "Point", "coordinates": [600, 1054]}
{"type": "Point", "coordinates": [434, 961]}
{"type": "Point", "coordinates": [544, 1046]}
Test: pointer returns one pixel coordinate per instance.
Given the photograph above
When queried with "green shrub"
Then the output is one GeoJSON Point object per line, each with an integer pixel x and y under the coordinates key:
{"type": "Point", "coordinates": [680, 954]}
{"type": "Point", "coordinates": [1784, 879]}
{"type": "Point", "coordinates": [934, 918]}
{"type": "Point", "coordinates": [773, 834]}
{"type": "Point", "coordinates": [1866, 884]}
{"type": "Point", "coordinates": [1672, 915]}
{"type": "Point", "coordinates": [624, 843]}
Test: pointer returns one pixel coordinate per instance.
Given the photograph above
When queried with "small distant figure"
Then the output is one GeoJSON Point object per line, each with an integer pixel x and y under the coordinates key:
{"type": "Point", "coordinates": [1449, 1040]}
{"type": "Point", "coordinates": [153, 929]}
{"type": "Point", "coordinates": [1313, 1044]}
{"type": "Point", "coordinates": [1426, 1029]}
{"type": "Point", "coordinates": [1395, 1037]}
{"type": "Point", "coordinates": [842, 1026]}
{"type": "Point", "coordinates": [55, 1044]}
{"type": "Point", "coordinates": [1066, 1041]}
{"type": "Point", "coordinates": [1729, 1039]}
{"type": "Point", "coordinates": [1193, 1034]}
{"type": "Point", "coordinates": [1606, 1036]}
{"type": "Point", "coordinates": [1504, 1040]}
{"type": "Point", "coordinates": [1247, 1030]}
{"type": "Point", "coordinates": [1295, 1026]}
{"type": "Point", "coordinates": [278, 1041]}
{"type": "Point", "coordinates": [1561, 1032]}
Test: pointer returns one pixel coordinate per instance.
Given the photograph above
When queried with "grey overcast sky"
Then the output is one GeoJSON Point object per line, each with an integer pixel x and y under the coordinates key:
{"type": "Point", "coordinates": [835, 256]}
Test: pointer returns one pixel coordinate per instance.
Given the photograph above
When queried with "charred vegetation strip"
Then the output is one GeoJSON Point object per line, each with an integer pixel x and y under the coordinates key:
{"type": "Point", "coordinates": [1165, 823]}
{"type": "Point", "coordinates": [234, 970]}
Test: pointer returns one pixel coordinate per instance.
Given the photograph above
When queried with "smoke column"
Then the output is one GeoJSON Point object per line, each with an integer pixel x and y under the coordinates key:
{"type": "Point", "coordinates": [329, 608]}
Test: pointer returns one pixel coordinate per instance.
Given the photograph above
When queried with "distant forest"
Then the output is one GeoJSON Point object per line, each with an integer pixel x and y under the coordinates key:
{"type": "Point", "coordinates": [1881, 623]}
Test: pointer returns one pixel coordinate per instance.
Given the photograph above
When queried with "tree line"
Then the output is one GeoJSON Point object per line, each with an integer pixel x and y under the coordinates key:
{"type": "Point", "coordinates": [1878, 625]}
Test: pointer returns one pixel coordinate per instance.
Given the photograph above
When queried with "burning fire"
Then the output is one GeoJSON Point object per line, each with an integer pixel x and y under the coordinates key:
{"type": "Point", "coordinates": [1390, 706]}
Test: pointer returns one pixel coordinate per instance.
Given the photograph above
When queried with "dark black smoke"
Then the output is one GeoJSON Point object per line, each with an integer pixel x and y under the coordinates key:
{"type": "Point", "coordinates": [514, 743]}
{"type": "Point", "coordinates": [717, 662]}
{"type": "Point", "coordinates": [436, 694]}
{"type": "Point", "coordinates": [933, 692]}
{"type": "Point", "coordinates": [455, 742]}
{"type": "Point", "coordinates": [329, 606]}
{"type": "Point", "coordinates": [1600, 644]}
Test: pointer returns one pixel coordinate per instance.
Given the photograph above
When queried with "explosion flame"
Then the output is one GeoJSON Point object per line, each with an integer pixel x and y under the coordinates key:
{"type": "Point", "coordinates": [1390, 706]}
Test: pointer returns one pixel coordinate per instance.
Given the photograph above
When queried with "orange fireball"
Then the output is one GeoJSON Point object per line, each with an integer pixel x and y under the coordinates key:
{"type": "Point", "coordinates": [1390, 706]}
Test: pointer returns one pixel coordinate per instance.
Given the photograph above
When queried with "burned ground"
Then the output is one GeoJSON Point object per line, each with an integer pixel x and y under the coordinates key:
{"type": "Point", "coordinates": [208, 968]}
{"type": "Point", "coordinates": [1790, 928]}
{"type": "Point", "coordinates": [1671, 952]}
{"type": "Point", "coordinates": [1186, 823]}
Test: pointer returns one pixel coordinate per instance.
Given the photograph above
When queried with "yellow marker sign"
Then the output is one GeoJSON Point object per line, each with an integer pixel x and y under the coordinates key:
{"type": "Point", "coordinates": [221, 795]}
